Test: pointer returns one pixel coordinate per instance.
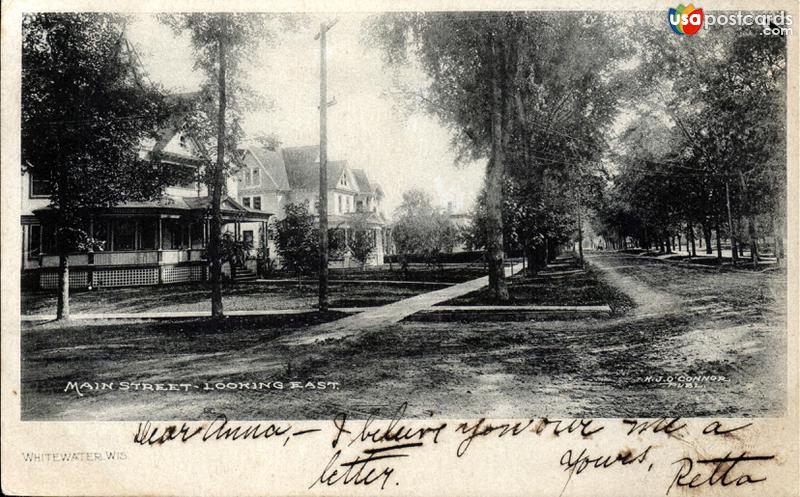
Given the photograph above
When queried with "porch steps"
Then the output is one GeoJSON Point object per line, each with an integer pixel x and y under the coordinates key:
{"type": "Point", "coordinates": [244, 275]}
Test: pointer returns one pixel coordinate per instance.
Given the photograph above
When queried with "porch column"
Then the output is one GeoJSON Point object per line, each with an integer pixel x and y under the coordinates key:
{"type": "Point", "coordinates": [90, 257]}
{"type": "Point", "coordinates": [160, 254]}
{"type": "Point", "coordinates": [206, 231]}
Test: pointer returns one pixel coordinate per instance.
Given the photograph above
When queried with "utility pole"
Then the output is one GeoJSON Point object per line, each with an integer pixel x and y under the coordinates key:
{"type": "Point", "coordinates": [734, 248]}
{"type": "Point", "coordinates": [323, 166]}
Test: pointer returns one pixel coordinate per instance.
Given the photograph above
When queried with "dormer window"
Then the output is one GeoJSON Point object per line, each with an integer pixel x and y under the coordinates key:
{"type": "Point", "coordinates": [252, 176]}
{"type": "Point", "coordinates": [343, 181]}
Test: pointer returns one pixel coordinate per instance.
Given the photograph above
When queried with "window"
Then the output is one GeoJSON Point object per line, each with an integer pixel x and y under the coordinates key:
{"type": "Point", "coordinates": [149, 234]}
{"type": "Point", "coordinates": [339, 197]}
{"type": "Point", "coordinates": [196, 235]}
{"type": "Point", "coordinates": [246, 202]}
{"type": "Point", "coordinates": [252, 176]}
{"type": "Point", "coordinates": [40, 186]}
{"type": "Point", "coordinates": [34, 241]}
{"type": "Point", "coordinates": [100, 233]}
{"type": "Point", "coordinates": [349, 204]}
{"type": "Point", "coordinates": [125, 235]}
{"type": "Point", "coordinates": [247, 237]}
{"type": "Point", "coordinates": [360, 206]}
{"type": "Point", "coordinates": [48, 239]}
{"type": "Point", "coordinates": [257, 203]}
{"type": "Point", "coordinates": [172, 234]}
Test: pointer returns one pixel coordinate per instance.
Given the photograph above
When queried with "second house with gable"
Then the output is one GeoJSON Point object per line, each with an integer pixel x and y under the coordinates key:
{"type": "Point", "coordinates": [271, 178]}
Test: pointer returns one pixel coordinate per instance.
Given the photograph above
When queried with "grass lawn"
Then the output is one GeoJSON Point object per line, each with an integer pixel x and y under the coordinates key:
{"type": "Point", "coordinates": [450, 273]}
{"type": "Point", "coordinates": [235, 297]}
{"type": "Point", "coordinates": [729, 323]}
{"type": "Point", "coordinates": [564, 284]}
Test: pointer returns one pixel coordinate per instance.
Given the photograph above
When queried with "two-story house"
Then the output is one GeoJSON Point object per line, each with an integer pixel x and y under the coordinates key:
{"type": "Point", "coordinates": [145, 243]}
{"type": "Point", "coordinates": [271, 178]}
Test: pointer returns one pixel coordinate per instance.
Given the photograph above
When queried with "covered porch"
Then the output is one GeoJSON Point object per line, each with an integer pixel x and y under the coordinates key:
{"type": "Point", "coordinates": [138, 244]}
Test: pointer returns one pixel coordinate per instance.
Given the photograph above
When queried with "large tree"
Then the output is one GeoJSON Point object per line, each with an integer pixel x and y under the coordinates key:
{"type": "Point", "coordinates": [420, 229]}
{"type": "Point", "coordinates": [710, 150]}
{"type": "Point", "coordinates": [221, 42]}
{"type": "Point", "coordinates": [523, 90]}
{"type": "Point", "coordinates": [85, 111]}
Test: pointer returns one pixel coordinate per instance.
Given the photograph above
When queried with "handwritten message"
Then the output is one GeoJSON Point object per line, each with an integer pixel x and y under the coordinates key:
{"type": "Point", "coordinates": [368, 452]}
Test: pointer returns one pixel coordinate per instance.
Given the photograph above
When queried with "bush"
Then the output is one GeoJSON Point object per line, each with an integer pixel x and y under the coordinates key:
{"type": "Point", "coordinates": [474, 256]}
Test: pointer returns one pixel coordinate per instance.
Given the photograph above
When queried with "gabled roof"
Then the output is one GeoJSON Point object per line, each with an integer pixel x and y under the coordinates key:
{"type": "Point", "coordinates": [182, 104]}
{"type": "Point", "coordinates": [305, 176]}
{"type": "Point", "coordinates": [308, 154]}
{"type": "Point", "coordinates": [273, 163]}
{"type": "Point", "coordinates": [362, 181]}
{"type": "Point", "coordinates": [365, 185]}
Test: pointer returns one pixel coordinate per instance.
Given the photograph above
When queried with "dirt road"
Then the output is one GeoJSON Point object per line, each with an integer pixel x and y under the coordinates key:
{"type": "Point", "coordinates": [719, 336]}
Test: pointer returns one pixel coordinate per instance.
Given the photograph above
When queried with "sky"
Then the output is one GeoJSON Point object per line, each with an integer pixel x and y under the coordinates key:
{"type": "Point", "coordinates": [365, 127]}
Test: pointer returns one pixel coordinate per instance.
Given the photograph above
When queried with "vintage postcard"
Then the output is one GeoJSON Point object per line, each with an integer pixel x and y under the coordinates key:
{"type": "Point", "coordinates": [413, 248]}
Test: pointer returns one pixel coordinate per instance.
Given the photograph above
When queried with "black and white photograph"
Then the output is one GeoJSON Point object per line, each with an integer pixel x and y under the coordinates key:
{"type": "Point", "coordinates": [495, 214]}
{"type": "Point", "coordinates": [350, 249]}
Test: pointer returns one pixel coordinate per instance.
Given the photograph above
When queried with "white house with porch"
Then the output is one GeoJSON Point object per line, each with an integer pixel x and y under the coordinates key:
{"type": "Point", "coordinates": [270, 178]}
{"type": "Point", "coordinates": [145, 243]}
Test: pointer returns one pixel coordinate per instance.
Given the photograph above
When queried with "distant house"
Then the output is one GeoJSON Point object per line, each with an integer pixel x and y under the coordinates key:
{"type": "Point", "coordinates": [145, 243]}
{"type": "Point", "coordinates": [461, 220]}
{"type": "Point", "coordinates": [271, 178]}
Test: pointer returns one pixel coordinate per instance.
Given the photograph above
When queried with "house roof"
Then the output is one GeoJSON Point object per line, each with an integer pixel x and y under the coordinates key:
{"type": "Point", "coordinates": [273, 163]}
{"type": "Point", "coordinates": [175, 204]}
{"type": "Point", "coordinates": [305, 176]}
{"type": "Point", "coordinates": [362, 180]}
{"type": "Point", "coordinates": [297, 168]}
{"type": "Point", "coordinates": [308, 154]}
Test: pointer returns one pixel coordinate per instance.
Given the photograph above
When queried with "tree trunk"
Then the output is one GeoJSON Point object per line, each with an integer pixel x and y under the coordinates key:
{"type": "Point", "coordinates": [216, 192]}
{"type": "Point", "coordinates": [580, 237]}
{"type": "Point", "coordinates": [734, 251]}
{"type": "Point", "coordinates": [719, 243]}
{"type": "Point", "coordinates": [690, 235]}
{"type": "Point", "coordinates": [707, 236]}
{"type": "Point", "coordinates": [751, 230]}
{"type": "Point", "coordinates": [751, 222]}
{"type": "Point", "coordinates": [62, 306]}
{"type": "Point", "coordinates": [494, 180]}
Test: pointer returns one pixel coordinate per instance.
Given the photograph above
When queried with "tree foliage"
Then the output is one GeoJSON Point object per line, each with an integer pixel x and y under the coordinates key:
{"type": "Point", "coordinates": [533, 93]}
{"type": "Point", "coordinates": [713, 137]}
{"type": "Point", "coordinates": [85, 113]}
{"type": "Point", "coordinates": [297, 239]}
{"type": "Point", "coordinates": [422, 229]}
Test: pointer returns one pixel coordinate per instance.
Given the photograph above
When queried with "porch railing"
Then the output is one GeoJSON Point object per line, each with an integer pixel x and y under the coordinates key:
{"type": "Point", "coordinates": [129, 258]}
{"type": "Point", "coordinates": [125, 258]}
{"type": "Point", "coordinates": [74, 260]}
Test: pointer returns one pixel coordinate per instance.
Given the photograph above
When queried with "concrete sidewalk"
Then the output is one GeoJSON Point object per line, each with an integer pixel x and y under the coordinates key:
{"type": "Point", "coordinates": [183, 314]}
{"type": "Point", "coordinates": [395, 312]}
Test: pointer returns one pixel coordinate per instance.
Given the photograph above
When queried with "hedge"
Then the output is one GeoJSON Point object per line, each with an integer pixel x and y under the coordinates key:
{"type": "Point", "coordinates": [451, 258]}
